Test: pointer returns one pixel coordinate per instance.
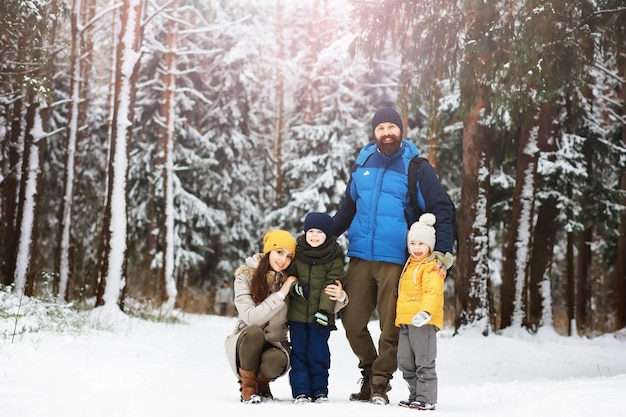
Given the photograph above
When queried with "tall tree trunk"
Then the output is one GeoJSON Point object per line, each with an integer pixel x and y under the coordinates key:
{"type": "Point", "coordinates": [570, 290]}
{"type": "Point", "coordinates": [404, 97]}
{"type": "Point", "coordinates": [166, 144]}
{"type": "Point", "coordinates": [72, 139]}
{"type": "Point", "coordinates": [582, 262]}
{"type": "Point", "coordinates": [26, 219]}
{"type": "Point", "coordinates": [86, 269]}
{"type": "Point", "coordinates": [277, 177]}
{"type": "Point", "coordinates": [35, 119]}
{"type": "Point", "coordinates": [150, 277]}
{"type": "Point", "coordinates": [582, 267]}
{"type": "Point", "coordinates": [10, 186]}
{"type": "Point", "coordinates": [111, 285]}
{"type": "Point", "coordinates": [103, 239]}
{"type": "Point", "coordinates": [514, 296]}
{"type": "Point", "coordinates": [433, 129]}
{"type": "Point", "coordinates": [544, 238]}
{"type": "Point", "coordinates": [314, 35]}
{"type": "Point", "coordinates": [544, 235]}
{"type": "Point", "coordinates": [472, 268]}
{"type": "Point", "coordinates": [10, 194]}
{"type": "Point", "coordinates": [583, 284]}
{"type": "Point", "coordinates": [472, 263]}
{"type": "Point", "coordinates": [620, 262]}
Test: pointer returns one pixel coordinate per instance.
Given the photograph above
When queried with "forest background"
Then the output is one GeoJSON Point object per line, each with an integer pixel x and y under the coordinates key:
{"type": "Point", "coordinates": [147, 145]}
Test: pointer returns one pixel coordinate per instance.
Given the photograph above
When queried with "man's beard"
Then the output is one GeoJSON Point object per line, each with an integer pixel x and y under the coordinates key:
{"type": "Point", "coordinates": [388, 148]}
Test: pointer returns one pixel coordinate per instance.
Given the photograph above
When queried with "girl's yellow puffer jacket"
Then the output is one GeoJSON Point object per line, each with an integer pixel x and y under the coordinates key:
{"type": "Point", "coordinates": [420, 289]}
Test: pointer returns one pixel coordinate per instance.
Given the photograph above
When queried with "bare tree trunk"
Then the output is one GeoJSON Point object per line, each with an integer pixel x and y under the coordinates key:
{"type": "Point", "coordinates": [10, 186]}
{"type": "Point", "coordinates": [620, 262]}
{"type": "Point", "coordinates": [571, 278]}
{"type": "Point", "coordinates": [72, 140]}
{"type": "Point", "coordinates": [433, 118]}
{"type": "Point", "coordinates": [167, 149]}
{"type": "Point", "coordinates": [149, 278]}
{"type": "Point", "coordinates": [26, 219]}
{"type": "Point", "coordinates": [103, 240]}
{"type": "Point", "coordinates": [82, 267]}
{"type": "Point", "coordinates": [582, 266]}
{"type": "Point", "coordinates": [544, 238]}
{"type": "Point", "coordinates": [545, 229]}
{"type": "Point", "coordinates": [10, 195]}
{"type": "Point", "coordinates": [280, 112]}
{"type": "Point", "coordinates": [404, 98]}
{"type": "Point", "coordinates": [314, 35]}
{"type": "Point", "coordinates": [110, 288]}
{"type": "Point", "coordinates": [33, 122]}
{"type": "Point", "coordinates": [514, 296]}
{"type": "Point", "coordinates": [583, 287]}
{"type": "Point", "coordinates": [472, 269]}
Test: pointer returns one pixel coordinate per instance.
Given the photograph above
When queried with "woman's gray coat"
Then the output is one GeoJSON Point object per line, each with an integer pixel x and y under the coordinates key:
{"type": "Point", "coordinates": [270, 315]}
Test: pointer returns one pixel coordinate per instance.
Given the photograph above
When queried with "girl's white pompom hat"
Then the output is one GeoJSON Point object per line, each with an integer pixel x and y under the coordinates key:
{"type": "Point", "coordinates": [423, 231]}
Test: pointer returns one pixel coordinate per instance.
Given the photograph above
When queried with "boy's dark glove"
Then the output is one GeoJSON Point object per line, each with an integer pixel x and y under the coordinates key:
{"type": "Point", "coordinates": [321, 318]}
{"type": "Point", "coordinates": [301, 290]}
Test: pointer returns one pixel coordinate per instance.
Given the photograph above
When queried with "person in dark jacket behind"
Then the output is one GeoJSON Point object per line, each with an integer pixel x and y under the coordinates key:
{"type": "Point", "coordinates": [373, 211]}
{"type": "Point", "coordinates": [315, 299]}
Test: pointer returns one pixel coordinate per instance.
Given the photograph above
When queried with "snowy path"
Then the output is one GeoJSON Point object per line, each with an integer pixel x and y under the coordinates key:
{"type": "Point", "coordinates": [153, 370]}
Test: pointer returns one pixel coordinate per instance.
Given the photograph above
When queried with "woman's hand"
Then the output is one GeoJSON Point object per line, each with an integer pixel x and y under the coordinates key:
{"type": "Point", "coordinates": [335, 291]}
{"type": "Point", "coordinates": [289, 281]}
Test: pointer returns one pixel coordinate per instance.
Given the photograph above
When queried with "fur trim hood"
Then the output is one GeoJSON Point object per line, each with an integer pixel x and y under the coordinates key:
{"type": "Point", "coordinates": [247, 269]}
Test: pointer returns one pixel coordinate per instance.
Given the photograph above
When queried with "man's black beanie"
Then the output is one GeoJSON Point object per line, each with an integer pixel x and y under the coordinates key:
{"type": "Point", "coordinates": [386, 114]}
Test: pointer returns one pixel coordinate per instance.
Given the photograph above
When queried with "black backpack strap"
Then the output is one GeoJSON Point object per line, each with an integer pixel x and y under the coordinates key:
{"type": "Point", "coordinates": [412, 212]}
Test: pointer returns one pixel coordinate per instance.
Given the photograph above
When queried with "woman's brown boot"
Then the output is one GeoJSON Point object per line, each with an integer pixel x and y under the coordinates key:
{"type": "Point", "coordinates": [263, 385]}
{"type": "Point", "coordinates": [247, 380]}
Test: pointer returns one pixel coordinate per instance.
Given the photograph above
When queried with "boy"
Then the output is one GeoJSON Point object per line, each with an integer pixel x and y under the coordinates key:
{"type": "Point", "coordinates": [318, 296]}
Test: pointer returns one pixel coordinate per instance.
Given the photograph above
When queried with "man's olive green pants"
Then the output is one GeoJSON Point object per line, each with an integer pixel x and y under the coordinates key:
{"type": "Point", "coordinates": [372, 285]}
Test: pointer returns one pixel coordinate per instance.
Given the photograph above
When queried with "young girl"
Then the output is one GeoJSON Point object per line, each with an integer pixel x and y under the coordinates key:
{"type": "Point", "coordinates": [419, 314]}
{"type": "Point", "coordinates": [258, 349]}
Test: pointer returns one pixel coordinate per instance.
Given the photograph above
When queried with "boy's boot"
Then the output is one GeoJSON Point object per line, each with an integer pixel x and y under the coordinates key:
{"type": "Point", "coordinates": [263, 385]}
{"type": "Point", "coordinates": [247, 380]}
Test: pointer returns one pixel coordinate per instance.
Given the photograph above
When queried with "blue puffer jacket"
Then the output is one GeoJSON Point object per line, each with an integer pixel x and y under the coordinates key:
{"type": "Point", "coordinates": [375, 203]}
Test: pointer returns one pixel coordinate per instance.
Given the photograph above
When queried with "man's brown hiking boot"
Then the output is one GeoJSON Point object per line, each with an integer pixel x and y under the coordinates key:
{"type": "Point", "coordinates": [365, 392]}
{"type": "Point", "coordinates": [380, 387]}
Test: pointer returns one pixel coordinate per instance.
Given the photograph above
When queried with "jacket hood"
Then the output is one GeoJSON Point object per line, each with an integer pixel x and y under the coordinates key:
{"type": "Point", "coordinates": [247, 269]}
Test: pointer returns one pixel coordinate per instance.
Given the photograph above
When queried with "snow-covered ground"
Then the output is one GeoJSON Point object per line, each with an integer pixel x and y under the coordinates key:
{"type": "Point", "coordinates": [149, 369]}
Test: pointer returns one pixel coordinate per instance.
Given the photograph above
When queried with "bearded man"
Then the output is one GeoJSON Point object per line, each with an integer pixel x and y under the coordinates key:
{"type": "Point", "coordinates": [374, 212]}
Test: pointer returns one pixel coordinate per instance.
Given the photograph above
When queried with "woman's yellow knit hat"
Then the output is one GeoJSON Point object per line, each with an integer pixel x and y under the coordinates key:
{"type": "Point", "coordinates": [278, 239]}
